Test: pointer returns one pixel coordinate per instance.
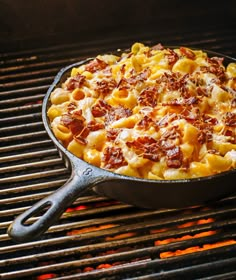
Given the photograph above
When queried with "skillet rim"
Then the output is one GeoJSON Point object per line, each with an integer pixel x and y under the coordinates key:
{"type": "Point", "coordinates": [72, 158]}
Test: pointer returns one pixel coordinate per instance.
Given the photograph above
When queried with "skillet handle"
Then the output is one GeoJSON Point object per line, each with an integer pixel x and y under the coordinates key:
{"type": "Point", "coordinates": [53, 206]}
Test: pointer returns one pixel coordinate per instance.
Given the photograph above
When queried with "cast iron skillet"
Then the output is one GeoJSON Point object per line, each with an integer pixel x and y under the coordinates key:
{"type": "Point", "coordinates": [152, 194]}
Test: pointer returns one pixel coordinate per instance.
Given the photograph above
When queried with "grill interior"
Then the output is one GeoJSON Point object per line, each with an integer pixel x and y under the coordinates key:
{"type": "Point", "coordinates": [99, 238]}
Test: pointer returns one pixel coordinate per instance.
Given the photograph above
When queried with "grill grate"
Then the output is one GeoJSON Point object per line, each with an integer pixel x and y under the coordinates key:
{"type": "Point", "coordinates": [98, 238]}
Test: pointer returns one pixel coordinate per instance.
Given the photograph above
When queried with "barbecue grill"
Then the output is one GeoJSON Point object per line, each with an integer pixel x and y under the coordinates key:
{"type": "Point", "coordinates": [97, 237]}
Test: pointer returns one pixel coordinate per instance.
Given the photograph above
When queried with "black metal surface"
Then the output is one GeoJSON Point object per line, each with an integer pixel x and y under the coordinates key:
{"type": "Point", "coordinates": [100, 230]}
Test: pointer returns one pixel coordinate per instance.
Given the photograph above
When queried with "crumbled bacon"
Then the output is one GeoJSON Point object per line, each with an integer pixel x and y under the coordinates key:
{"type": "Point", "coordinates": [113, 158]}
{"type": "Point", "coordinates": [209, 120]}
{"type": "Point", "coordinates": [75, 82]}
{"type": "Point", "coordinates": [148, 97]}
{"type": "Point", "coordinates": [95, 65]}
{"type": "Point", "coordinates": [215, 60]}
{"type": "Point", "coordinates": [126, 83]}
{"type": "Point", "coordinates": [230, 119]}
{"type": "Point", "coordinates": [147, 147]}
{"type": "Point", "coordinates": [71, 107]}
{"type": "Point", "coordinates": [93, 126]}
{"type": "Point", "coordinates": [112, 134]}
{"type": "Point", "coordinates": [172, 56]}
{"type": "Point", "coordinates": [116, 113]}
{"type": "Point", "coordinates": [142, 76]}
{"type": "Point", "coordinates": [215, 68]}
{"type": "Point", "coordinates": [66, 120]}
{"type": "Point", "coordinates": [123, 84]}
{"type": "Point", "coordinates": [100, 108]}
{"type": "Point", "coordinates": [164, 121]}
{"type": "Point", "coordinates": [145, 123]}
{"type": "Point", "coordinates": [171, 133]}
{"type": "Point", "coordinates": [75, 125]}
{"type": "Point", "coordinates": [173, 81]}
{"type": "Point", "coordinates": [105, 86]}
{"type": "Point", "coordinates": [182, 101]}
{"type": "Point", "coordinates": [122, 69]}
{"type": "Point", "coordinates": [187, 52]}
{"type": "Point", "coordinates": [204, 134]}
{"type": "Point", "coordinates": [174, 157]}
{"type": "Point", "coordinates": [201, 91]}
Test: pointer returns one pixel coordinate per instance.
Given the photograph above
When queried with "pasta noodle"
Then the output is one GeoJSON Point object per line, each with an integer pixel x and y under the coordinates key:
{"type": "Point", "coordinates": [153, 112]}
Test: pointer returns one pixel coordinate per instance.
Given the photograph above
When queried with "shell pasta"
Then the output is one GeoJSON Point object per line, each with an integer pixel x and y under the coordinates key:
{"type": "Point", "coordinates": [153, 112]}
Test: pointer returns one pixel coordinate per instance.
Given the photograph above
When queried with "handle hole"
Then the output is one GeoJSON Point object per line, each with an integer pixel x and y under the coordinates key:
{"type": "Point", "coordinates": [32, 217]}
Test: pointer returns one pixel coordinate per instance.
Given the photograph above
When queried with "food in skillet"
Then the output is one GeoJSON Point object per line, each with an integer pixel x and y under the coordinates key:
{"type": "Point", "coordinates": [153, 112]}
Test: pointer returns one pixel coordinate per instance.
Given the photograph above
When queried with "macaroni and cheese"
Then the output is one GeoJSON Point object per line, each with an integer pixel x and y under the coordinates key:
{"type": "Point", "coordinates": [152, 112]}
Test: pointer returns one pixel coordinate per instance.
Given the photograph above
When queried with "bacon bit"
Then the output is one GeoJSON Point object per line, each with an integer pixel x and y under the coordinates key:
{"type": "Point", "coordinates": [187, 52]}
{"type": "Point", "coordinates": [142, 76]}
{"type": "Point", "coordinates": [81, 140]}
{"type": "Point", "coordinates": [170, 133]}
{"type": "Point", "coordinates": [80, 136]}
{"type": "Point", "coordinates": [174, 157]}
{"type": "Point", "coordinates": [209, 120]}
{"type": "Point", "coordinates": [105, 86]}
{"type": "Point", "coordinates": [205, 133]}
{"type": "Point", "coordinates": [190, 115]}
{"type": "Point", "coordinates": [123, 84]}
{"type": "Point", "coordinates": [230, 133]}
{"type": "Point", "coordinates": [75, 82]}
{"type": "Point", "coordinates": [148, 97]}
{"type": "Point", "coordinates": [180, 102]}
{"type": "Point", "coordinates": [100, 108]}
{"type": "Point", "coordinates": [164, 121]}
{"type": "Point", "coordinates": [93, 126]}
{"type": "Point", "coordinates": [215, 60]}
{"type": "Point", "coordinates": [107, 72]}
{"type": "Point", "coordinates": [117, 113]}
{"type": "Point", "coordinates": [112, 134]}
{"type": "Point", "coordinates": [113, 158]}
{"type": "Point", "coordinates": [215, 69]}
{"type": "Point", "coordinates": [71, 107]}
{"type": "Point", "coordinates": [174, 81]}
{"type": "Point", "coordinates": [75, 125]}
{"type": "Point", "coordinates": [205, 125]}
{"type": "Point", "coordinates": [145, 123]}
{"type": "Point", "coordinates": [233, 103]}
{"type": "Point", "coordinates": [158, 47]}
{"type": "Point", "coordinates": [126, 83]}
{"type": "Point", "coordinates": [230, 119]}
{"type": "Point", "coordinates": [147, 147]}
{"type": "Point", "coordinates": [122, 69]}
{"type": "Point", "coordinates": [202, 91]}
{"type": "Point", "coordinates": [95, 65]}
{"type": "Point", "coordinates": [66, 120]}
{"type": "Point", "coordinates": [77, 114]}
{"type": "Point", "coordinates": [172, 56]}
